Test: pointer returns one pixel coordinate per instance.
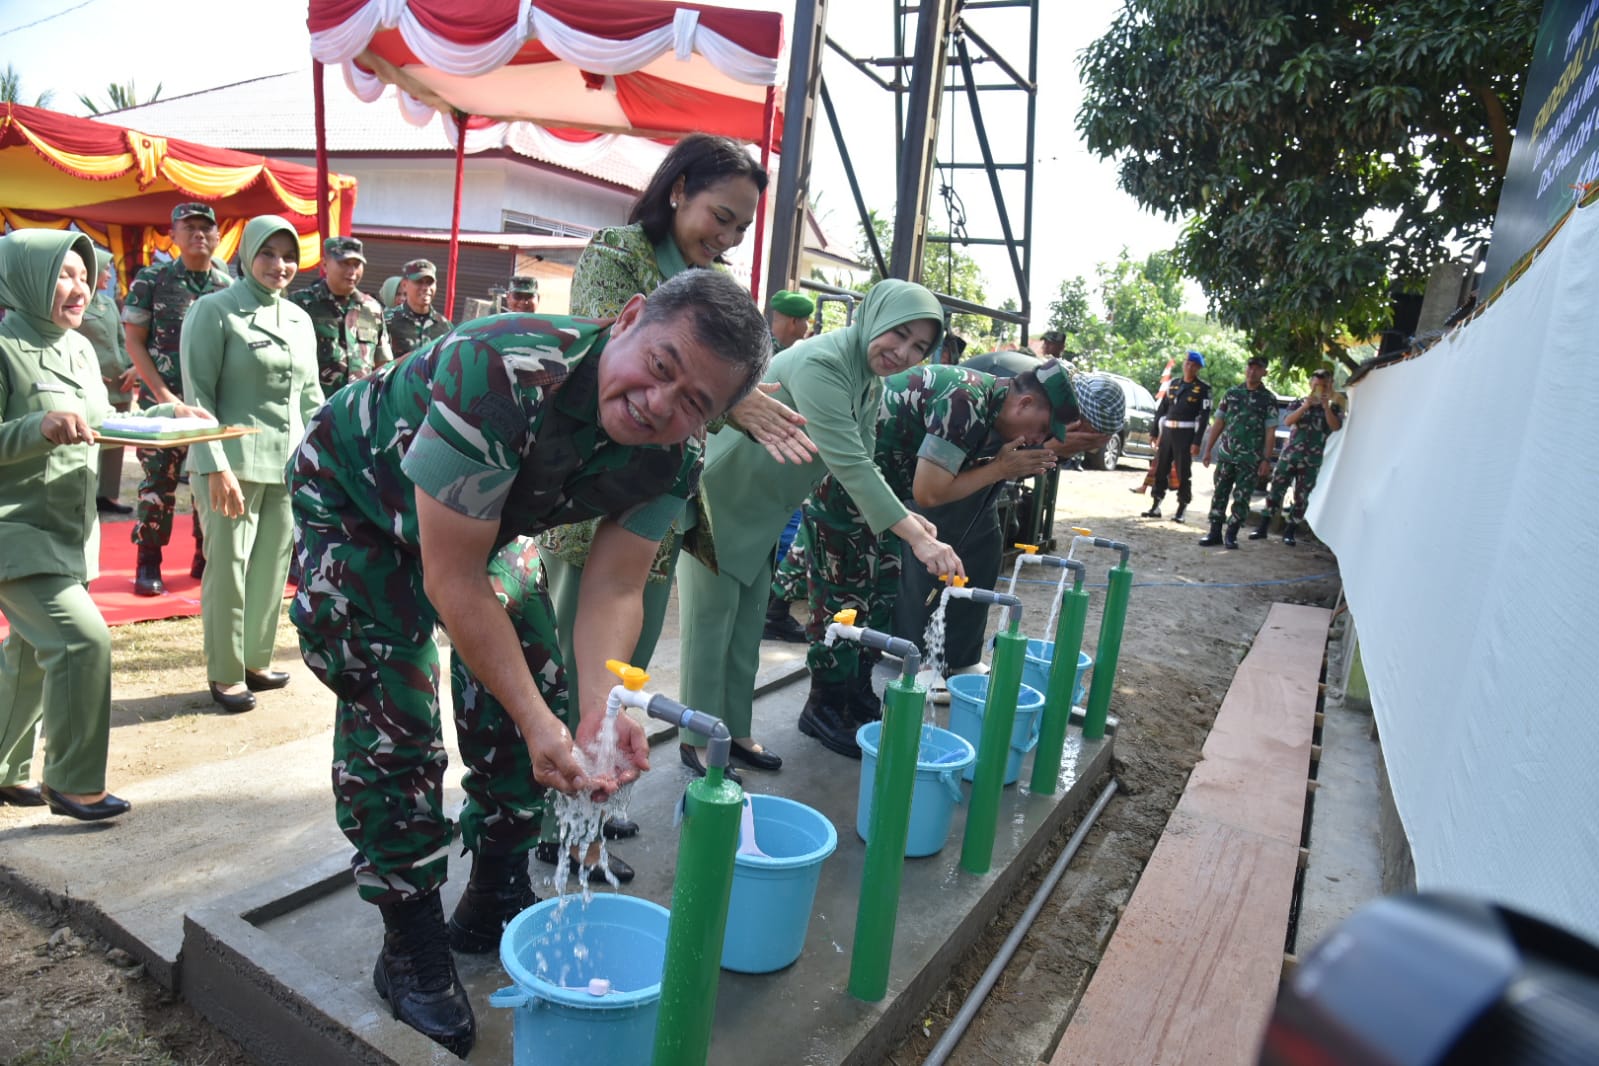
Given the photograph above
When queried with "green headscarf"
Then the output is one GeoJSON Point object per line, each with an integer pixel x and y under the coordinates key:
{"type": "Point", "coordinates": [256, 233]}
{"type": "Point", "coordinates": [102, 263]}
{"type": "Point", "coordinates": [390, 289]}
{"type": "Point", "coordinates": [30, 262]}
{"type": "Point", "coordinates": [890, 303]}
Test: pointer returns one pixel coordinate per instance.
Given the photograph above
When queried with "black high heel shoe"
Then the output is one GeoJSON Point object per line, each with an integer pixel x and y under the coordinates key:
{"type": "Point", "coordinates": [21, 796]}
{"type": "Point", "coordinates": [265, 680]}
{"type": "Point", "coordinates": [108, 807]}
{"type": "Point", "coordinates": [234, 702]}
{"type": "Point", "coordinates": [691, 759]}
{"type": "Point", "coordinates": [547, 851]}
{"type": "Point", "coordinates": [760, 760]}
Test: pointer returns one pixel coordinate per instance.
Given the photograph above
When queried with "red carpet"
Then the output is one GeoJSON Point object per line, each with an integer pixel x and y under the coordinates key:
{"type": "Point", "coordinates": [113, 589]}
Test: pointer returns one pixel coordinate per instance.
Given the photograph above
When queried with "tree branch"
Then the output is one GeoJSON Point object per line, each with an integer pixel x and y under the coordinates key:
{"type": "Point", "coordinates": [1498, 126]}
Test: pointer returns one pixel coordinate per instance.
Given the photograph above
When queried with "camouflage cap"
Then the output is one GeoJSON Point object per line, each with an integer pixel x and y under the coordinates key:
{"type": "Point", "coordinates": [1257, 360]}
{"type": "Point", "coordinates": [417, 269]}
{"type": "Point", "coordinates": [194, 209]}
{"type": "Point", "coordinates": [525, 284]}
{"type": "Point", "coordinates": [335, 248]}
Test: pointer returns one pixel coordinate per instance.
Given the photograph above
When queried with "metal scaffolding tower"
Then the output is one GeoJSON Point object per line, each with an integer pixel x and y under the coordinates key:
{"type": "Point", "coordinates": [948, 47]}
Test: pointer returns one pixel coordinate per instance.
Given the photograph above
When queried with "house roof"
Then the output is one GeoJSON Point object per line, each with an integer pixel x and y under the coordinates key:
{"type": "Point", "coordinates": [276, 114]}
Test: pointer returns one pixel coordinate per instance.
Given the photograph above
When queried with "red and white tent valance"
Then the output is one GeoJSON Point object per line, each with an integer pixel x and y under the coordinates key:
{"type": "Point", "coordinates": [641, 67]}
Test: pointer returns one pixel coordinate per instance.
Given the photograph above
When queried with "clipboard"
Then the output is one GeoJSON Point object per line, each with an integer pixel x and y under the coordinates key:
{"type": "Point", "coordinates": [223, 433]}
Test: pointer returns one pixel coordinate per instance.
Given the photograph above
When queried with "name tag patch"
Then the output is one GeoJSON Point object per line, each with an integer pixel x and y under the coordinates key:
{"type": "Point", "coordinates": [49, 386]}
{"type": "Point", "coordinates": [259, 344]}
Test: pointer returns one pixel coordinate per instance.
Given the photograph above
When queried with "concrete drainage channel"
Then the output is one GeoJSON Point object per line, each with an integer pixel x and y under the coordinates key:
{"type": "Point", "coordinates": [285, 966]}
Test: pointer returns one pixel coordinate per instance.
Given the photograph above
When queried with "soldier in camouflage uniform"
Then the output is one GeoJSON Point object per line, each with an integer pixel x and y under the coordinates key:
{"type": "Point", "coordinates": [413, 322]}
{"type": "Point", "coordinates": [944, 433]}
{"type": "Point", "coordinates": [1246, 422]}
{"type": "Point", "coordinates": [152, 320]}
{"type": "Point", "coordinates": [431, 465]}
{"type": "Point", "coordinates": [350, 341]}
{"type": "Point", "coordinates": [522, 295]}
{"type": "Point", "coordinates": [1317, 417]}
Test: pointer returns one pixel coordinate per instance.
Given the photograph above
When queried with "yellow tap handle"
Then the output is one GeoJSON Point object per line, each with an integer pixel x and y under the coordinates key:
{"type": "Point", "coordinates": [1030, 549]}
{"type": "Point", "coordinates": [633, 679]}
{"type": "Point", "coordinates": [845, 617]}
{"type": "Point", "coordinates": [1082, 531]}
{"type": "Point", "coordinates": [957, 580]}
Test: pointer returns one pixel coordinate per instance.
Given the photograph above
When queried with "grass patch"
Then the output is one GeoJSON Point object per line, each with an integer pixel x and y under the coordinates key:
{"type": "Point", "coordinates": [115, 1046]}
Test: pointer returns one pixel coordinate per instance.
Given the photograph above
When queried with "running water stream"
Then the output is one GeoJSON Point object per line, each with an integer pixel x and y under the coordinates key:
{"type": "Point", "coordinates": [580, 817]}
{"type": "Point", "coordinates": [1054, 604]}
{"type": "Point", "coordinates": [932, 670]}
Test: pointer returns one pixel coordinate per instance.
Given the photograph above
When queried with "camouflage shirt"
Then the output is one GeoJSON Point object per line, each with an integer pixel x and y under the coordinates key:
{"type": "Point", "coordinates": [944, 414]}
{"type": "Point", "coordinates": [350, 341]}
{"type": "Point", "coordinates": [1248, 413]}
{"type": "Point", "coordinates": [157, 300]}
{"type": "Point", "coordinates": [500, 422]}
{"type": "Point", "coordinates": [408, 330]}
{"type": "Point", "coordinates": [1309, 437]}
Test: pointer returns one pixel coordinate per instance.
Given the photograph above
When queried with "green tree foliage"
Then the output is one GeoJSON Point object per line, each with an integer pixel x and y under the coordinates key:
{"type": "Point", "coordinates": [946, 269]}
{"type": "Point", "coordinates": [1321, 151]}
{"type": "Point", "coordinates": [120, 97]}
{"type": "Point", "coordinates": [11, 89]}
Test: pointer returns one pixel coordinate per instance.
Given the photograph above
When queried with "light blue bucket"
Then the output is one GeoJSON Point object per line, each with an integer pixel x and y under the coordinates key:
{"type": "Point", "coordinates": [553, 954]}
{"type": "Point", "coordinates": [1035, 668]}
{"type": "Point", "coordinates": [773, 894]}
{"type": "Point", "coordinates": [939, 763]}
{"type": "Point", "coordinates": [967, 694]}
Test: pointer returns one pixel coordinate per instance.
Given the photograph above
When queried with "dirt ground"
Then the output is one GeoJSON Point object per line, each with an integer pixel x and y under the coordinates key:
{"type": "Point", "coordinates": [65, 1000]}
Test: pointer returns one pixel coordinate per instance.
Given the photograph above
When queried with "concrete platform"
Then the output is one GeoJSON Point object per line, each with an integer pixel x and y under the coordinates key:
{"type": "Point", "coordinates": [285, 966]}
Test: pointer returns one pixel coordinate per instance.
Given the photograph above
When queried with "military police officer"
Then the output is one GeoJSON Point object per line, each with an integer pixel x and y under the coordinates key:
{"type": "Point", "coordinates": [407, 483]}
{"type": "Point", "coordinates": [1246, 422]}
{"type": "Point", "coordinates": [152, 324]}
{"type": "Point", "coordinates": [522, 296]}
{"type": "Point", "coordinates": [350, 340]}
{"type": "Point", "coordinates": [413, 322]}
{"type": "Point", "coordinates": [1317, 417]}
{"type": "Point", "coordinates": [1180, 423]}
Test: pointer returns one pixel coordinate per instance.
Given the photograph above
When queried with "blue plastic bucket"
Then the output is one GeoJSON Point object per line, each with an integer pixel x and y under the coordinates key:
{"type": "Point", "coordinates": [939, 764]}
{"type": "Point", "coordinates": [553, 954]}
{"type": "Point", "coordinates": [1035, 669]}
{"type": "Point", "coordinates": [967, 694]}
{"type": "Point", "coordinates": [773, 895]}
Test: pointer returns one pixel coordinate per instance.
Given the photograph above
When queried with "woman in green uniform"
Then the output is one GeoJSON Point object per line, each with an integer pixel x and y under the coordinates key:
{"type": "Point", "coordinates": [250, 356]}
{"type": "Point", "coordinates": [835, 381]}
{"type": "Point", "coordinates": [57, 660]}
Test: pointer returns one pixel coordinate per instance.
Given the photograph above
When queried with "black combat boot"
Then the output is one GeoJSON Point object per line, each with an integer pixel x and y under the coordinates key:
{"type": "Point", "coordinates": [498, 891]}
{"type": "Point", "coordinates": [1154, 509]}
{"type": "Point", "coordinates": [415, 974]}
{"type": "Point", "coordinates": [826, 716]}
{"type": "Point", "coordinates": [1231, 539]}
{"type": "Point", "coordinates": [1262, 529]}
{"type": "Point", "coordinates": [1288, 534]}
{"type": "Point", "coordinates": [197, 564]}
{"type": "Point", "coordinates": [1213, 538]}
{"type": "Point", "coordinates": [1177, 515]}
{"type": "Point", "coordinates": [780, 624]}
{"type": "Point", "coordinates": [864, 703]}
{"type": "Point", "coordinates": [147, 576]}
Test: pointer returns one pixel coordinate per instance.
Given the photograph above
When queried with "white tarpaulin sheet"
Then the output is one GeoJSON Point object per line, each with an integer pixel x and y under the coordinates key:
{"type": "Point", "coordinates": [1462, 500]}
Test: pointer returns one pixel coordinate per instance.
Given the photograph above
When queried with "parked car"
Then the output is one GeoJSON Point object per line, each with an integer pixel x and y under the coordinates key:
{"type": "Point", "coordinates": [1134, 436]}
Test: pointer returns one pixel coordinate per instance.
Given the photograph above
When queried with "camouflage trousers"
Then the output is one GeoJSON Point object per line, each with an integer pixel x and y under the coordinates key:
{"type": "Point", "coordinates": [1237, 477]}
{"type": "Point", "coordinates": [1299, 471]}
{"type": "Point", "coordinates": [158, 497]}
{"type": "Point", "coordinates": [788, 583]}
{"type": "Point", "coordinates": [366, 630]}
{"type": "Point", "coordinates": [846, 565]}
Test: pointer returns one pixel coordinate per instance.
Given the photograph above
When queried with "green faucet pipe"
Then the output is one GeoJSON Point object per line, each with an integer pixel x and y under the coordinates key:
{"type": "Point", "coordinates": [1062, 679]}
{"type": "Point", "coordinates": [712, 812]}
{"type": "Point", "coordinates": [993, 751]}
{"type": "Point", "coordinates": [899, 747]}
{"type": "Point", "coordinates": [1118, 590]}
